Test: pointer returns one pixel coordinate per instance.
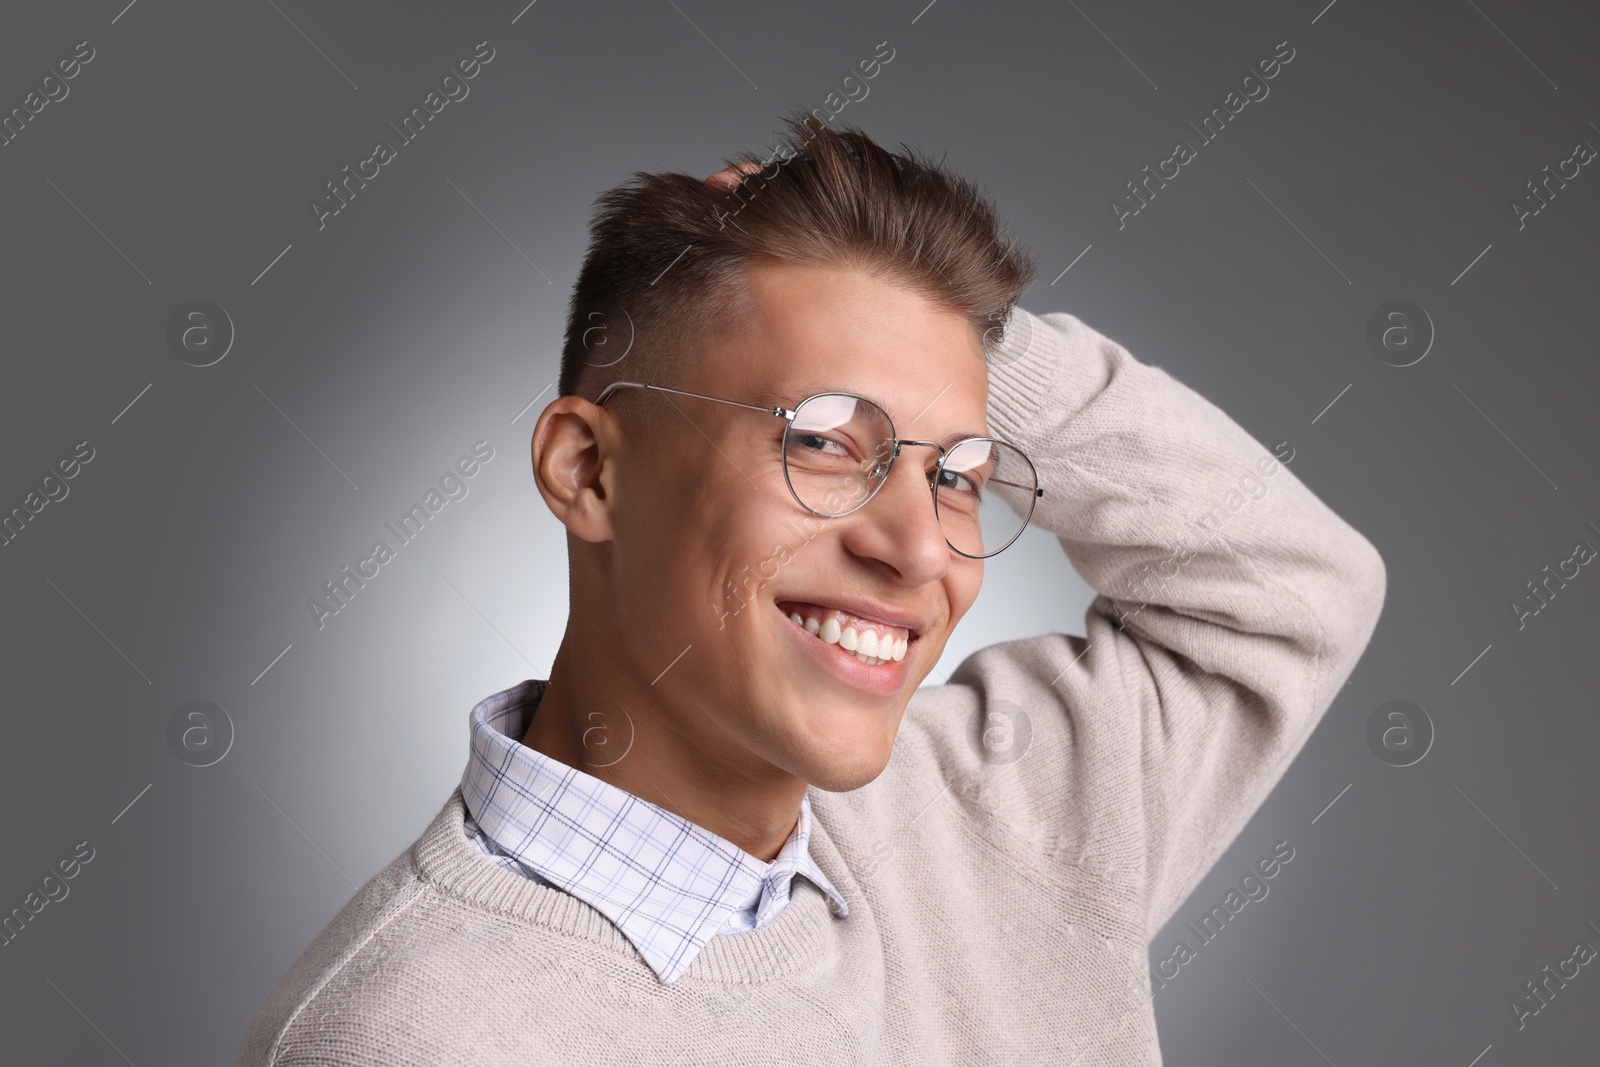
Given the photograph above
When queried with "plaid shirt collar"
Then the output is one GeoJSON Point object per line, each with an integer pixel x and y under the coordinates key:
{"type": "Point", "coordinates": [668, 884]}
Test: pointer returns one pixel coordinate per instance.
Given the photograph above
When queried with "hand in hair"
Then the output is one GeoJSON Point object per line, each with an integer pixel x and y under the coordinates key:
{"type": "Point", "coordinates": [730, 176]}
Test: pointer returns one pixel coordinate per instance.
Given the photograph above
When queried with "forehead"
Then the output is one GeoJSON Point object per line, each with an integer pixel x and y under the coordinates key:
{"type": "Point", "coordinates": [811, 329]}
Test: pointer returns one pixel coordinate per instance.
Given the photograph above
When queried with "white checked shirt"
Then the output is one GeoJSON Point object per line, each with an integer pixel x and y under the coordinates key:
{"type": "Point", "coordinates": [669, 886]}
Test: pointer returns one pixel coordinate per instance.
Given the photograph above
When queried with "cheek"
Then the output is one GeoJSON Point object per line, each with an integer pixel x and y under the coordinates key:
{"type": "Point", "coordinates": [755, 546]}
{"type": "Point", "coordinates": [720, 546]}
{"type": "Point", "coordinates": [962, 584]}
{"type": "Point", "coordinates": [660, 536]}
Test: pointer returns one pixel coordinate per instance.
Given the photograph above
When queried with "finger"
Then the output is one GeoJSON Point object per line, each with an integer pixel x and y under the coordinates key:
{"type": "Point", "coordinates": [730, 176]}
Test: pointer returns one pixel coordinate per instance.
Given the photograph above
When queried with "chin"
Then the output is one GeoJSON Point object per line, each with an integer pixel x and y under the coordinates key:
{"type": "Point", "coordinates": [842, 778]}
{"type": "Point", "coordinates": [842, 759]}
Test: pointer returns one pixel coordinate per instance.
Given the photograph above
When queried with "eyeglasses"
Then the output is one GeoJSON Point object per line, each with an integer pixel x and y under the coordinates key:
{"type": "Point", "coordinates": [838, 449]}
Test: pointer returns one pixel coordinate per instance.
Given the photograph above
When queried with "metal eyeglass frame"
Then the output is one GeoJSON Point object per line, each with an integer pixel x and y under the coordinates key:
{"type": "Point", "coordinates": [789, 416]}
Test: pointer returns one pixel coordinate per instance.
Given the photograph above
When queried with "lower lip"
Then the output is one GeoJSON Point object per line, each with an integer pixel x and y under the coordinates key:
{"type": "Point", "coordinates": [884, 679]}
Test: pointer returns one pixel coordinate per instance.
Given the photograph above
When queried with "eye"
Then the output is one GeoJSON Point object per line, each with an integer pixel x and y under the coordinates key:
{"type": "Point", "coordinates": [950, 481]}
{"type": "Point", "coordinates": [816, 442]}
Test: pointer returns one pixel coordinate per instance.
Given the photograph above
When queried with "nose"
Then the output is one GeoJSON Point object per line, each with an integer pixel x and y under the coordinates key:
{"type": "Point", "coordinates": [898, 526]}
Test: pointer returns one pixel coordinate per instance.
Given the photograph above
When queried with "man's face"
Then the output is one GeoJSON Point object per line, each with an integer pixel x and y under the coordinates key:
{"type": "Point", "coordinates": [713, 555]}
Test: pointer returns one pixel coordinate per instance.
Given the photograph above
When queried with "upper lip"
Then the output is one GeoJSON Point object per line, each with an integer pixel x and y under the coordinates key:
{"type": "Point", "coordinates": [866, 607]}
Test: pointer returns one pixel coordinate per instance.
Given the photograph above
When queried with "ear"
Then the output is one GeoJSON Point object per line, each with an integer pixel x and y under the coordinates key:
{"type": "Point", "coordinates": [574, 466]}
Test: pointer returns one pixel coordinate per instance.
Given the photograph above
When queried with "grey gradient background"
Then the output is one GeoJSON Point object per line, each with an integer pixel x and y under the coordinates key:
{"type": "Point", "coordinates": [374, 352]}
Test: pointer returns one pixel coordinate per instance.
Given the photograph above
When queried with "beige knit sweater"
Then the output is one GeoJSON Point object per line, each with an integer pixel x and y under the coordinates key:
{"type": "Point", "coordinates": [1001, 897]}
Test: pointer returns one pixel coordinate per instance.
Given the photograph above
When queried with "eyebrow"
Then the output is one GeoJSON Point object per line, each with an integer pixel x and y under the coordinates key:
{"type": "Point", "coordinates": [772, 399]}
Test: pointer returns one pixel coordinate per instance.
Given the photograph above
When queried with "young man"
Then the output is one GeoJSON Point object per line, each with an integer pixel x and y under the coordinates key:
{"type": "Point", "coordinates": [730, 828]}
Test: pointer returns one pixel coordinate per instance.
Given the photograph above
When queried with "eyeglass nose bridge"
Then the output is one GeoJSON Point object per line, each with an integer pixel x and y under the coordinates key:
{"type": "Point", "coordinates": [899, 441]}
{"type": "Point", "coordinates": [882, 472]}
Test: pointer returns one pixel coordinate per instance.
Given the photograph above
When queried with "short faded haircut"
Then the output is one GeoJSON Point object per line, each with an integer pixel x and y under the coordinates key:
{"type": "Point", "coordinates": [666, 258]}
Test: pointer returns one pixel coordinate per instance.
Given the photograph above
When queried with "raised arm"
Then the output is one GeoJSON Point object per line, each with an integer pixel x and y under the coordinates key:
{"type": "Point", "coordinates": [1232, 606]}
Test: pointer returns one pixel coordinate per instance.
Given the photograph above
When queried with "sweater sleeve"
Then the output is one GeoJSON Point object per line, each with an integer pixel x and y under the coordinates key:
{"type": "Point", "coordinates": [1232, 605]}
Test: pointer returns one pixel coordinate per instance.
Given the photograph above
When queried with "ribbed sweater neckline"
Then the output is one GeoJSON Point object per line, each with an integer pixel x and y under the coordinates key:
{"type": "Point", "coordinates": [447, 860]}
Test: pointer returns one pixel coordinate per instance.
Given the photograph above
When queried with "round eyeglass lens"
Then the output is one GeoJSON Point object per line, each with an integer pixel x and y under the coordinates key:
{"type": "Point", "coordinates": [836, 452]}
{"type": "Point", "coordinates": [985, 495]}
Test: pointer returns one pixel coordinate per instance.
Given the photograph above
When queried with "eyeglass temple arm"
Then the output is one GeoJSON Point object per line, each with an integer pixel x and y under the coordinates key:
{"type": "Point", "coordinates": [605, 394]}
{"type": "Point", "coordinates": [1038, 490]}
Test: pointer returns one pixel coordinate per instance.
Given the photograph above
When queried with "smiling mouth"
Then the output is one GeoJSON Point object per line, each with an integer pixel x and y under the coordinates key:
{"type": "Point", "coordinates": [875, 645]}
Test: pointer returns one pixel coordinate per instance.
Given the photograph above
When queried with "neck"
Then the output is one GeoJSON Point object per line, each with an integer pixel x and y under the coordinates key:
{"type": "Point", "coordinates": [670, 760]}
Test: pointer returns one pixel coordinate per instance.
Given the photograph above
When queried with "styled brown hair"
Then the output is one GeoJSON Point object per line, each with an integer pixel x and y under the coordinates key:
{"type": "Point", "coordinates": [665, 262]}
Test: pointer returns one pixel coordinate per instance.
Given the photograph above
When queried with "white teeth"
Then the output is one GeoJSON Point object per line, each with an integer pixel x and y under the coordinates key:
{"type": "Point", "coordinates": [866, 645]}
